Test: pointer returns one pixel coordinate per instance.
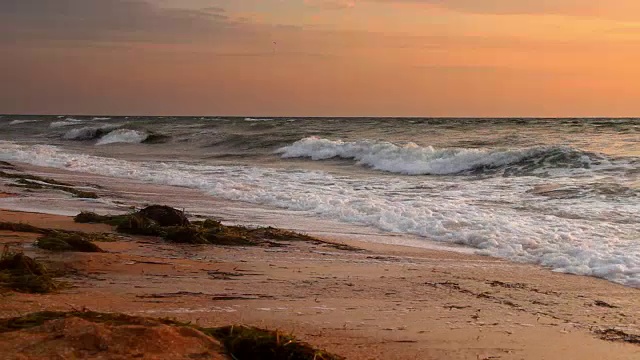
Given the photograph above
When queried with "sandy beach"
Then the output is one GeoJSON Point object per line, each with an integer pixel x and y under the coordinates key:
{"type": "Point", "coordinates": [377, 301]}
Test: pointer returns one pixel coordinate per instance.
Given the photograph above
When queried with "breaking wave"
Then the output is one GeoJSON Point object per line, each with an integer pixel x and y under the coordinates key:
{"type": "Point", "coordinates": [89, 132]}
{"type": "Point", "coordinates": [411, 159]}
{"type": "Point", "coordinates": [123, 136]}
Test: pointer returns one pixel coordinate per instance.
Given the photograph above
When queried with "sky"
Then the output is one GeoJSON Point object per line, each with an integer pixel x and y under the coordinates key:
{"type": "Point", "coordinates": [457, 58]}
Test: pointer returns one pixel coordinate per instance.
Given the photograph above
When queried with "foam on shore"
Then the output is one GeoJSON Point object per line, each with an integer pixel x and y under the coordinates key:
{"type": "Point", "coordinates": [576, 238]}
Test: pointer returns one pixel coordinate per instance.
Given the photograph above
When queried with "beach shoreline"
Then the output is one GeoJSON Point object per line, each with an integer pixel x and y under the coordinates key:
{"type": "Point", "coordinates": [385, 301]}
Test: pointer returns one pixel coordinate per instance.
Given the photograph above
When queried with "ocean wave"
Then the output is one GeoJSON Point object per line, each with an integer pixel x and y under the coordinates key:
{"type": "Point", "coordinates": [411, 159]}
{"type": "Point", "coordinates": [17, 122]}
{"type": "Point", "coordinates": [441, 212]}
{"type": "Point", "coordinates": [89, 132]}
{"type": "Point", "coordinates": [258, 119]}
{"type": "Point", "coordinates": [63, 123]}
{"type": "Point", "coordinates": [123, 136]}
{"type": "Point", "coordinates": [98, 118]}
{"type": "Point", "coordinates": [245, 141]}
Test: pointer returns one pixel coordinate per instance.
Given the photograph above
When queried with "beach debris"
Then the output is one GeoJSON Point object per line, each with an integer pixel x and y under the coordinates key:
{"type": "Point", "coordinates": [186, 235]}
{"type": "Point", "coordinates": [223, 275]}
{"type": "Point", "coordinates": [172, 225]}
{"type": "Point", "coordinates": [137, 224]}
{"type": "Point", "coordinates": [28, 181]}
{"type": "Point", "coordinates": [170, 295]}
{"type": "Point", "coordinates": [248, 343]}
{"type": "Point", "coordinates": [507, 285]}
{"type": "Point", "coordinates": [242, 297]}
{"type": "Point", "coordinates": [604, 304]}
{"type": "Point", "coordinates": [87, 217]}
{"type": "Point", "coordinates": [618, 335]}
{"type": "Point", "coordinates": [21, 273]}
{"type": "Point", "coordinates": [62, 241]}
{"type": "Point", "coordinates": [22, 227]}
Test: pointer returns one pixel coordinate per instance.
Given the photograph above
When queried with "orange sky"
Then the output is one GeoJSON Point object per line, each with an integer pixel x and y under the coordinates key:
{"type": "Point", "coordinates": [321, 57]}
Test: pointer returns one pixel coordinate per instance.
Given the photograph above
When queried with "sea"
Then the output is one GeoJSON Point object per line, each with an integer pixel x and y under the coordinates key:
{"type": "Point", "coordinates": [560, 193]}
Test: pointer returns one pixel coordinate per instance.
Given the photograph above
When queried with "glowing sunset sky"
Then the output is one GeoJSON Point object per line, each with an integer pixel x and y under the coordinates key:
{"type": "Point", "coordinates": [321, 57]}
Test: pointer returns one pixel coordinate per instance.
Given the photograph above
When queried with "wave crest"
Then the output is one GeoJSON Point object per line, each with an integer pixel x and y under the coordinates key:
{"type": "Point", "coordinates": [89, 132]}
{"type": "Point", "coordinates": [18, 122]}
{"type": "Point", "coordinates": [411, 159]}
{"type": "Point", "coordinates": [123, 136]}
{"type": "Point", "coordinates": [63, 123]}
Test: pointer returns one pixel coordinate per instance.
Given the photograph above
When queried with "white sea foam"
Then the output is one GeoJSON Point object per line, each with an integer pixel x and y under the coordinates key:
{"type": "Point", "coordinates": [412, 159]}
{"type": "Point", "coordinates": [123, 136]}
{"type": "Point", "coordinates": [17, 122]}
{"type": "Point", "coordinates": [89, 132]}
{"type": "Point", "coordinates": [63, 123]}
{"type": "Point", "coordinates": [258, 119]}
{"type": "Point", "coordinates": [101, 118]}
{"type": "Point", "coordinates": [496, 216]}
{"type": "Point", "coordinates": [57, 124]}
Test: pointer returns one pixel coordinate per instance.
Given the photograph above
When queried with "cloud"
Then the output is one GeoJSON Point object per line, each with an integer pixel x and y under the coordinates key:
{"type": "Point", "coordinates": [613, 9]}
{"type": "Point", "coordinates": [109, 20]}
{"type": "Point", "coordinates": [331, 4]}
{"type": "Point", "coordinates": [513, 6]}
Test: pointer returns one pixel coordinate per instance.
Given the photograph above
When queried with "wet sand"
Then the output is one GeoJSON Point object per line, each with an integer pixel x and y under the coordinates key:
{"type": "Point", "coordinates": [382, 302]}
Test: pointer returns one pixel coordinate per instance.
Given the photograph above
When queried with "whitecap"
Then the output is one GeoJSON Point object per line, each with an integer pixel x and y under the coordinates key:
{"type": "Point", "coordinates": [411, 159]}
{"type": "Point", "coordinates": [89, 132]}
{"type": "Point", "coordinates": [123, 136]}
{"type": "Point", "coordinates": [17, 122]}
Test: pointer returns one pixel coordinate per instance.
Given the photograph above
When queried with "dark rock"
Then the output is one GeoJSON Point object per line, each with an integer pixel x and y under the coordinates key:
{"type": "Point", "coordinates": [165, 215]}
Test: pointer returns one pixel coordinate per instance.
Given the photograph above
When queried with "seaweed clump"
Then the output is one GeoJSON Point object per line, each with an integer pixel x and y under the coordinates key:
{"type": "Point", "coordinates": [28, 181]}
{"type": "Point", "coordinates": [186, 235]}
{"type": "Point", "coordinates": [247, 343]}
{"type": "Point", "coordinates": [137, 224]}
{"type": "Point", "coordinates": [149, 221]}
{"type": "Point", "coordinates": [618, 335]}
{"type": "Point", "coordinates": [22, 273]}
{"type": "Point", "coordinates": [164, 215]}
{"type": "Point", "coordinates": [22, 227]}
{"type": "Point", "coordinates": [61, 241]}
{"type": "Point", "coordinates": [173, 225]}
{"type": "Point", "coordinates": [86, 217]}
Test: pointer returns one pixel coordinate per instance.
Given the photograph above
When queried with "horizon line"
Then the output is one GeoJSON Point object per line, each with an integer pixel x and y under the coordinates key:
{"type": "Point", "coordinates": [326, 116]}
